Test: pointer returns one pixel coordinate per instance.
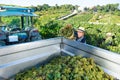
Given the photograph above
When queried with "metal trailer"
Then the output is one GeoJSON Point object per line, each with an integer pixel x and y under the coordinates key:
{"type": "Point", "coordinates": [16, 58]}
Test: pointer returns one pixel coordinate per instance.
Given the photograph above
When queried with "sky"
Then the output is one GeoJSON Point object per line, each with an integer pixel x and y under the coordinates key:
{"type": "Point", "coordinates": [82, 3]}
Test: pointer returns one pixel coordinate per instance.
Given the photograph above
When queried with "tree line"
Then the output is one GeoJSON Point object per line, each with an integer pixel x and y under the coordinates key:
{"type": "Point", "coordinates": [104, 8]}
{"type": "Point", "coordinates": [109, 8]}
{"type": "Point", "coordinates": [46, 7]}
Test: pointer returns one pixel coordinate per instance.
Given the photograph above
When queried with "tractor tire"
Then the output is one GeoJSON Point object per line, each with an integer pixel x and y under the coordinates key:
{"type": "Point", "coordinates": [37, 37]}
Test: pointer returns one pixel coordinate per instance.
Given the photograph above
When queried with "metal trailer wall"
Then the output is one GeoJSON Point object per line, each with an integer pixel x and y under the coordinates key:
{"type": "Point", "coordinates": [109, 61]}
{"type": "Point", "coordinates": [15, 58]}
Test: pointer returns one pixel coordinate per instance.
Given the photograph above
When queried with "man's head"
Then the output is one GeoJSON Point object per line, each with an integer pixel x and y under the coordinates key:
{"type": "Point", "coordinates": [80, 32]}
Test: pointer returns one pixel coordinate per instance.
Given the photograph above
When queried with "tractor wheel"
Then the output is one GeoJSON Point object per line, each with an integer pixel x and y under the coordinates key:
{"type": "Point", "coordinates": [37, 37]}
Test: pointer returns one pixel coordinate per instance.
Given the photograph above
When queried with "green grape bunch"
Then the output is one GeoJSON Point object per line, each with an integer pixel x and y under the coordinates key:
{"type": "Point", "coordinates": [66, 68]}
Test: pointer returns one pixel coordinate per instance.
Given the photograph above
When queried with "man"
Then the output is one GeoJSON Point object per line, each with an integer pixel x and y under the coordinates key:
{"type": "Point", "coordinates": [80, 35]}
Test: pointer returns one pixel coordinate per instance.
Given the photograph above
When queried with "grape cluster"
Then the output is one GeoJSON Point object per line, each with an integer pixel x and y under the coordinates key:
{"type": "Point", "coordinates": [67, 31]}
{"type": "Point", "coordinates": [66, 68]}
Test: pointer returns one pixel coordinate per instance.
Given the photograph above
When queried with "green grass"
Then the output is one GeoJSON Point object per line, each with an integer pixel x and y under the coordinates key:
{"type": "Point", "coordinates": [80, 18]}
{"type": "Point", "coordinates": [105, 18]}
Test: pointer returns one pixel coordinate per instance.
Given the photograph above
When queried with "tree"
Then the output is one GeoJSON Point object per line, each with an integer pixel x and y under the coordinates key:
{"type": "Point", "coordinates": [56, 5]}
{"type": "Point", "coordinates": [45, 7]}
{"type": "Point", "coordinates": [67, 6]}
{"type": "Point", "coordinates": [86, 9]}
{"type": "Point", "coordinates": [108, 7]}
{"type": "Point", "coordinates": [39, 8]}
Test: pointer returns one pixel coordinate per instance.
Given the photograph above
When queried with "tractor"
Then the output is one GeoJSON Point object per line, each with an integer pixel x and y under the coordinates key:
{"type": "Point", "coordinates": [14, 34]}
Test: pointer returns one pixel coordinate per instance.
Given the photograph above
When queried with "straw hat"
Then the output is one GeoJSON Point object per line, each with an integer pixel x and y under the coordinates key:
{"type": "Point", "coordinates": [81, 29]}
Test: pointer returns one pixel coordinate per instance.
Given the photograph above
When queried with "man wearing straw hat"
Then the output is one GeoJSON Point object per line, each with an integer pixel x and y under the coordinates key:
{"type": "Point", "coordinates": [80, 35]}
